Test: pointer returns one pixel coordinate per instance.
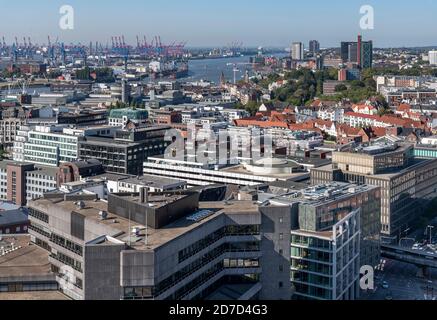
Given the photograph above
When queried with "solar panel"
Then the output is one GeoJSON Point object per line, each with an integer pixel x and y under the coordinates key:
{"type": "Point", "coordinates": [200, 215]}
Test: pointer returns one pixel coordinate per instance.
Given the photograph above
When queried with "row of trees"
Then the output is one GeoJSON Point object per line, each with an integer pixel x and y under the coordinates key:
{"type": "Point", "coordinates": [303, 86]}
{"type": "Point", "coordinates": [101, 74]}
{"type": "Point", "coordinates": [134, 104]}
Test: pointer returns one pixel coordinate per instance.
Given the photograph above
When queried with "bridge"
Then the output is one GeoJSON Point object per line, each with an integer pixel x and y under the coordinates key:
{"type": "Point", "coordinates": [419, 257]}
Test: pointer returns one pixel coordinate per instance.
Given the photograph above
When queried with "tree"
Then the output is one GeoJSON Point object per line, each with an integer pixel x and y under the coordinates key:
{"type": "Point", "coordinates": [252, 107]}
{"type": "Point", "coordinates": [83, 74]}
{"type": "Point", "coordinates": [340, 88]}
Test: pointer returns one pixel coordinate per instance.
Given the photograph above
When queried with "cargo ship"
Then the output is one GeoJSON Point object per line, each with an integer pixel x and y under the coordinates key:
{"type": "Point", "coordinates": [170, 70]}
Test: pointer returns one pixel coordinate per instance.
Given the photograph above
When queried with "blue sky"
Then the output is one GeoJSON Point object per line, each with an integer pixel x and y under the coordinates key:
{"type": "Point", "coordinates": [208, 22]}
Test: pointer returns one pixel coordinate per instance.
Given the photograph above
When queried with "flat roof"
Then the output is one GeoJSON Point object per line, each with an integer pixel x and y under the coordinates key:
{"type": "Point", "coordinates": [322, 194]}
{"type": "Point", "coordinates": [416, 163]}
{"type": "Point", "coordinates": [240, 169]}
{"type": "Point", "coordinates": [34, 295]}
{"type": "Point", "coordinates": [156, 237]}
{"type": "Point", "coordinates": [27, 261]}
{"type": "Point", "coordinates": [327, 235]}
{"type": "Point", "coordinates": [145, 180]}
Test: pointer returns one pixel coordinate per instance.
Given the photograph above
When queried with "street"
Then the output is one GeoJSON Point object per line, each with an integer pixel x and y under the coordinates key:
{"type": "Point", "coordinates": [403, 282]}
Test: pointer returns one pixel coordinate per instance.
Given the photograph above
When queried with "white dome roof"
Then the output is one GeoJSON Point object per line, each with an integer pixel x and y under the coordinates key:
{"type": "Point", "coordinates": [271, 162]}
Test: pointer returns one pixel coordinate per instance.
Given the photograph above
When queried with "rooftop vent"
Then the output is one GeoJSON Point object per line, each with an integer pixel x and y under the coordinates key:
{"type": "Point", "coordinates": [80, 205]}
{"type": "Point", "coordinates": [136, 231]}
{"type": "Point", "coordinates": [103, 215]}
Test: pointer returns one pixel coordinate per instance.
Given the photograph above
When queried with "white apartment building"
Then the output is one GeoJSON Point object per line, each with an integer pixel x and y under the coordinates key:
{"type": "Point", "coordinates": [40, 181]}
{"type": "Point", "coordinates": [50, 146]}
{"type": "Point", "coordinates": [331, 114]}
{"type": "Point", "coordinates": [432, 57]}
{"type": "Point", "coordinates": [363, 120]}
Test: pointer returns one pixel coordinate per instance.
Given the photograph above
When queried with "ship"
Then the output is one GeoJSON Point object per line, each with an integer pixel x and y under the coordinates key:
{"type": "Point", "coordinates": [171, 70]}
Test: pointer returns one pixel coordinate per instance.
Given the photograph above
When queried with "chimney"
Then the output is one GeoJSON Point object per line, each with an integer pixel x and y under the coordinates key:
{"type": "Point", "coordinates": [144, 196]}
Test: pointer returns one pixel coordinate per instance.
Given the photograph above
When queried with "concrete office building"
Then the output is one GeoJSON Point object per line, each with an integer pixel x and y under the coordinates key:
{"type": "Point", "coordinates": [172, 247]}
{"type": "Point", "coordinates": [407, 182]}
{"type": "Point", "coordinates": [126, 152]}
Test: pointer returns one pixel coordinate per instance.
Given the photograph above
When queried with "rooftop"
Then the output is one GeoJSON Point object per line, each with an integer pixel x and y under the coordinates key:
{"type": "Point", "coordinates": [27, 260]}
{"type": "Point", "coordinates": [321, 194]}
{"type": "Point", "coordinates": [145, 180]}
{"type": "Point", "coordinates": [121, 228]}
{"type": "Point", "coordinates": [34, 295]}
{"type": "Point", "coordinates": [13, 217]}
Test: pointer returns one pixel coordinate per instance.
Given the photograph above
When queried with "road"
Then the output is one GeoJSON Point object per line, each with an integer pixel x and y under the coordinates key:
{"type": "Point", "coordinates": [404, 283]}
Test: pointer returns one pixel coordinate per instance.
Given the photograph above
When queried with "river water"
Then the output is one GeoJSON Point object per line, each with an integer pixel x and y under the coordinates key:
{"type": "Point", "coordinates": [211, 69]}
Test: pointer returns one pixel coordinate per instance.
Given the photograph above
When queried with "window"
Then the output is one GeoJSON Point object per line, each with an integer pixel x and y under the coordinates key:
{"type": "Point", "coordinates": [281, 285]}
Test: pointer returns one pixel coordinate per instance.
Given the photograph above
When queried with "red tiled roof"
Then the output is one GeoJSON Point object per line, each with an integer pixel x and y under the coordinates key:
{"type": "Point", "coordinates": [261, 124]}
{"type": "Point", "coordinates": [348, 130]}
{"type": "Point", "coordinates": [404, 108]}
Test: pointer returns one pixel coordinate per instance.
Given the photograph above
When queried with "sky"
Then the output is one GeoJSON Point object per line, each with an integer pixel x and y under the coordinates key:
{"type": "Point", "coordinates": [221, 22]}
